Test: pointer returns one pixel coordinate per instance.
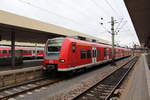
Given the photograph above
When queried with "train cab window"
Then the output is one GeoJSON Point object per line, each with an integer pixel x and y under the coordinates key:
{"type": "Point", "coordinates": [53, 49]}
{"type": "Point", "coordinates": [54, 45]}
{"type": "Point", "coordinates": [83, 54]}
{"type": "Point", "coordinates": [4, 51]}
{"type": "Point", "coordinates": [89, 54]}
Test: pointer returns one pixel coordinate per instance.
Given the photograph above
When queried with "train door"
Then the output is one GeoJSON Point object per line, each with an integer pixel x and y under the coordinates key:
{"type": "Point", "coordinates": [74, 54]}
{"type": "Point", "coordinates": [33, 53]}
{"type": "Point", "coordinates": [107, 53]}
{"type": "Point", "coordinates": [94, 53]}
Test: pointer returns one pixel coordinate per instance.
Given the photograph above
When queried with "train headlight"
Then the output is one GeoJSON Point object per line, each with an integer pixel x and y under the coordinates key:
{"type": "Point", "coordinates": [62, 60]}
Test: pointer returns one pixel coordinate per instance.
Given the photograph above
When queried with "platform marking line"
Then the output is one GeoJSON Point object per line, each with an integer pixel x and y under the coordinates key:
{"type": "Point", "coordinates": [37, 90]}
{"type": "Point", "coordinates": [8, 92]}
{"type": "Point", "coordinates": [18, 90]}
{"type": "Point", "coordinates": [21, 96]}
{"type": "Point", "coordinates": [147, 72]}
{"type": "Point", "coordinates": [29, 92]}
{"type": "Point", "coordinates": [24, 87]}
{"type": "Point", "coordinates": [11, 99]}
{"type": "Point", "coordinates": [43, 88]}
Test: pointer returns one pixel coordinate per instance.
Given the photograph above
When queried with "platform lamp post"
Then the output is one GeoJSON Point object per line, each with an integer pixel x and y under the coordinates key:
{"type": "Point", "coordinates": [112, 32]}
{"type": "Point", "coordinates": [13, 49]}
{"type": "Point", "coordinates": [113, 40]}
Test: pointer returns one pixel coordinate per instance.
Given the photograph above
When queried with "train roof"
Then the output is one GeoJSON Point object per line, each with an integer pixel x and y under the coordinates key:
{"type": "Point", "coordinates": [93, 43]}
{"type": "Point", "coordinates": [88, 42]}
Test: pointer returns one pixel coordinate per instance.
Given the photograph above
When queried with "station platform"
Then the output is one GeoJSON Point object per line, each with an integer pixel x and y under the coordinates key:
{"type": "Point", "coordinates": [26, 64]}
{"type": "Point", "coordinates": [137, 86]}
{"type": "Point", "coordinates": [29, 70]}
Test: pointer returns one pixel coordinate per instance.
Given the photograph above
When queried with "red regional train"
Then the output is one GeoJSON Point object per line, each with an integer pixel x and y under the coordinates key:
{"type": "Point", "coordinates": [32, 52]}
{"type": "Point", "coordinates": [5, 56]}
{"type": "Point", "coordinates": [69, 54]}
{"type": "Point", "coordinates": [26, 52]}
{"type": "Point", "coordinates": [20, 53]}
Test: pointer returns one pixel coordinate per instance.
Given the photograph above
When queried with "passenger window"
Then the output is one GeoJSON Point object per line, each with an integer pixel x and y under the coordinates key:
{"type": "Point", "coordinates": [89, 54]}
{"type": "Point", "coordinates": [30, 51]}
{"type": "Point", "coordinates": [110, 53]}
{"type": "Point", "coordinates": [25, 51]}
{"type": "Point", "coordinates": [105, 52]}
{"type": "Point", "coordinates": [98, 53]}
{"type": "Point", "coordinates": [9, 51]}
{"type": "Point", "coordinates": [33, 51]}
{"type": "Point", "coordinates": [83, 54]}
{"type": "Point", "coordinates": [4, 51]}
{"type": "Point", "coordinates": [38, 51]}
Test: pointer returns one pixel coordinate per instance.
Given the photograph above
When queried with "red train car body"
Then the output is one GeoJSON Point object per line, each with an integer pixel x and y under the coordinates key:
{"type": "Point", "coordinates": [5, 56]}
{"type": "Point", "coordinates": [32, 52]}
{"type": "Point", "coordinates": [20, 53]}
{"type": "Point", "coordinates": [68, 54]}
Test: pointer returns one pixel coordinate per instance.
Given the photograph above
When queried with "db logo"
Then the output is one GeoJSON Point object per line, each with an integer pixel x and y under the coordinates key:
{"type": "Point", "coordinates": [51, 61]}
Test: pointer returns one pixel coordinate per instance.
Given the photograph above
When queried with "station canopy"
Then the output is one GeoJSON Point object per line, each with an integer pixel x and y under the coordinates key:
{"type": "Point", "coordinates": [34, 31]}
{"type": "Point", "coordinates": [139, 11]}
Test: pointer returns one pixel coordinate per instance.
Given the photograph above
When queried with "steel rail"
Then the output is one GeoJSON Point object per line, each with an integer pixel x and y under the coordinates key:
{"type": "Point", "coordinates": [122, 79]}
{"type": "Point", "coordinates": [50, 82]}
{"type": "Point", "coordinates": [83, 94]}
{"type": "Point", "coordinates": [38, 84]}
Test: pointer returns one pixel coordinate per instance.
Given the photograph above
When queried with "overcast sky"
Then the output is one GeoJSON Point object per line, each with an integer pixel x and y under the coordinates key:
{"type": "Point", "coordinates": [79, 15]}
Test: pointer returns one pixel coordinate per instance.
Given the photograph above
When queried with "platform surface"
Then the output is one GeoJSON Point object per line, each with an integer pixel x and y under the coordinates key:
{"type": "Point", "coordinates": [26, 64]}
{"type": "Point", "coordinates": [139, 82]}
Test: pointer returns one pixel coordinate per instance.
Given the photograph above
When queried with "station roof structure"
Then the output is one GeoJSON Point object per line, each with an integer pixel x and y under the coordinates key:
{"type": "Point", "coordinates": [139, 11]}
{"type": "Point", "coordinates": [31, 30]}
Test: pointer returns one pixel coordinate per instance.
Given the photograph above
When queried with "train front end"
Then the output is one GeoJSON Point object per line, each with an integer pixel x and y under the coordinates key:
{"type": "Point", "coordinates": [52, 54]}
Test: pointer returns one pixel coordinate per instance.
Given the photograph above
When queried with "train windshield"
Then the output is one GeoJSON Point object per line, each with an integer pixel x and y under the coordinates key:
{"type": "Point", "coordinates": [53, 48]}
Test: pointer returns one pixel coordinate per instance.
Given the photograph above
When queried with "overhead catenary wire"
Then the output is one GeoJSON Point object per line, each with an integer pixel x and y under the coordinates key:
{"type": "Point", "coordinates": [118, 25]}
{"type": "Point", "coordinates": [105, 29]}
{"type": "Point", "coordinates": [122, 26]}
{"type": "Point", "coordinates": [113, 9]}
{"type": "Point", "coordinates": [105, 12]}
{"type": "Point", "coordinates": [46, 10]}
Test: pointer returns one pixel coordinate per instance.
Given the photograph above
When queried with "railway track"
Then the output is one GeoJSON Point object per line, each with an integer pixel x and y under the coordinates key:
{"type": "Point", "coordinates": [15, 90]}
{"type": "Point", "coordinates": [104, 89]}
{"type": "Point", "coordinates": [8, 92]}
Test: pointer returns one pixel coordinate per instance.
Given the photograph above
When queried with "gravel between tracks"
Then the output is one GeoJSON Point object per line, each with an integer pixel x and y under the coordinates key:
{"type": "Point", "coordinates": [83, 85]}
{"type": "Point", "coordinates": [67, 89]}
